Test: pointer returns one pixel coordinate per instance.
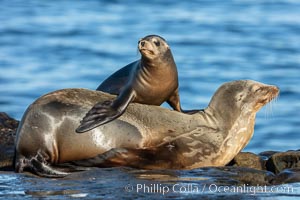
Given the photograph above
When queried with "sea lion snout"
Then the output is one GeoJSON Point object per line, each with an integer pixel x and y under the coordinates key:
{"type": "Point", "coordinates": [146, 48]}
{"type": "Point", "coordinates": [145, 44]}
{"type": "Point", "coordinates": [264, 94]}
{"type": "Point", "coordinates": [269, 91]}
{"type": "Point", "coordinates": [275, 89]}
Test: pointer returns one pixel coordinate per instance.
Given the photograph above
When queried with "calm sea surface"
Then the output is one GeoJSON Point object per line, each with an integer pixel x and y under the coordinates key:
{"type": "Point", "coordinates": [50, 45]}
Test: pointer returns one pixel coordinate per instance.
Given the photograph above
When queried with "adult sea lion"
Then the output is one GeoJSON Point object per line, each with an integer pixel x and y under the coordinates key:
{"type": "Point", "coordinates": [151, 80]}
{"type": "Point", "coordinates": [145, 136]}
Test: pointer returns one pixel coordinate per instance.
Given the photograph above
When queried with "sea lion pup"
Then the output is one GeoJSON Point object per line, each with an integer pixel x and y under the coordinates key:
{"type": "Point", "coordinates": [149, 137]}
{"type": "Point", "coordinates": [151, 80]}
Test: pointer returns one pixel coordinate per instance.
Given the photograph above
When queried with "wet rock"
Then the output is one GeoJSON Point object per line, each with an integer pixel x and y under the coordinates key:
{"type": "Point", "coordinates": [6, 122]}
{"type": "Point", "coordinates": [255, 177]}
{"type": "Point", "coordinates": [265, 155]}
{"type": "Point", "coordinates": [8, 127]}
{"type": "Point", "coordinates": [230, 175]}
{"type": "Point", "coordinates": [249, 176]}
{"type": "Point", "coordinates": [283, 160]}
{"type": "Point", "coordinates": [287, 176]}
{"type": "Point", "coordinates": [247, 159]}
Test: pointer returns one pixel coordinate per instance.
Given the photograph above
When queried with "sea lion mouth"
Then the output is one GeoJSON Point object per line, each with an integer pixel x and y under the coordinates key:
{"type": "Point", "coordinates": [146, 51]}
{"type": "Point", "coordinates": [271, 93]}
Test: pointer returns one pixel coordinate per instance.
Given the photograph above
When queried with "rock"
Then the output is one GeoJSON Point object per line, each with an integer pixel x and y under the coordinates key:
{"type": "Point", "coordinates": [254, 177]}
{"type": "Point", "coordinates": [283, 160]}
{"type": "Point", "coordinates": [6, 122]}
{"type": "Point", "coordinates": [8, 127]}
{"type": "Point", "coordinates": [247, 159]}
{"type": "Point", "coordinates": [265, 155]}
{"type": "Point", "coordinates": [230, 175]}
{"type": "Point", "coordinates": [287, 176]}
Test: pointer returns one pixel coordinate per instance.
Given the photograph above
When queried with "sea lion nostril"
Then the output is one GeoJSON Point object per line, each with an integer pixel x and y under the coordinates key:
{"type": "Point", "coordinates": [142, 43]}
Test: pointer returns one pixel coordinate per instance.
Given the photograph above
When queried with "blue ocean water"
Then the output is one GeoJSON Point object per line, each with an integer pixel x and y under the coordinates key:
{"type": "Point", "coordinates": [49, 45]}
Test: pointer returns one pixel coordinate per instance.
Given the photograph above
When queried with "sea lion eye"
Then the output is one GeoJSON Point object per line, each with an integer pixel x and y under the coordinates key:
{"type": "Point", "coordinates": [256, 88]}
{"type": "Point", "coordinates": [157, 43]}
{"type": "Point", "coordinates": [259, 89]}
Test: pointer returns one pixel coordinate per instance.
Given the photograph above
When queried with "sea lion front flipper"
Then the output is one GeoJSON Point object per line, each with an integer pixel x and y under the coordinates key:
{"type": "Point", "coordinates": [174, 102]}
{"type": "Point", "coordinates": [106, 111]}
{"type": "Point", "coordinates": [190, 112]}
{"type": "Point", "coordinates": [115, 83]}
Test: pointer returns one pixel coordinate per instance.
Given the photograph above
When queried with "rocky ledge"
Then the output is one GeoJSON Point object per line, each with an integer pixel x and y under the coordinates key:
{"type": "Point", "coordinates": [266, 168]}
{"type": "Point", "coordinates": [8, 127]}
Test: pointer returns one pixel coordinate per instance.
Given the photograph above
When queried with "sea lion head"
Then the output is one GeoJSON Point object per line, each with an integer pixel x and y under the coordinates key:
{"type": "Point", "coordinates": [153, 47]}
{"type": "Point", "coordinates": [242, 97]}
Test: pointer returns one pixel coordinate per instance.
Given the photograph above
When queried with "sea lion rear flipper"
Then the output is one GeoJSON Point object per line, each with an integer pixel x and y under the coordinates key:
{"type": "Point", "coordinates": [138, 158]}
{"type": "Point", "coordinates": [38, 166]}
{"type": "Point", "coordinates": [106, 111]}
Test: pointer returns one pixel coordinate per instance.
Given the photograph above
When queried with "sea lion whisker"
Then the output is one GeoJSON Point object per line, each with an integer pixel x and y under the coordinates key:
{"type": "Point", "coordinates": [268, 110]}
